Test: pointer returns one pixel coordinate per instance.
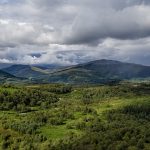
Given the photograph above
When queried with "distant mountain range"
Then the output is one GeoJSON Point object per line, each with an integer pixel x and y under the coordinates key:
{"type": "Point", "coordinates": [99, 71]}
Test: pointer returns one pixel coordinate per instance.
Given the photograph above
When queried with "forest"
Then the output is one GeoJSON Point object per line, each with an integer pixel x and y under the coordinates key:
{"type": "Point", "coordinates": [71, 117]}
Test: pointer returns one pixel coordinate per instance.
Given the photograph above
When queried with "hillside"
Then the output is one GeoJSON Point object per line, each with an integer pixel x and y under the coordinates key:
{"type": "Point", "coordinates": [5, 65]}
{"type": "Point", "coordinates": [100, 71]}
{"type": "Point", "coordinates": [26, 71]}
{"type": "Point", "coordinates": [6, 77]}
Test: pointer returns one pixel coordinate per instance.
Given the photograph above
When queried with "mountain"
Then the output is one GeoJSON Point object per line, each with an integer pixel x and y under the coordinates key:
{"type": "Point", "coordinates": [6, 77]}
{"type": "Point", "coordinates": [100, 71]}
{"type": "Point", "coordinates": [48, 66]}
{"type": "Point", "coordinates": [4, 65]}
{"type": "Point", "coordinates": [26, 71]}
{"type": "Point", "coordinates": [4, 74]}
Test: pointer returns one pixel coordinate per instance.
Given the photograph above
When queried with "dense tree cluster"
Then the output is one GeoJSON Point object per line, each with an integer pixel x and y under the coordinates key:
{"type": "Point", "coordinates": [23, 99]}
{"type": "Point", "coordinates": [56, 88]}
{"type": "Point", "coordinates": [121, 133]}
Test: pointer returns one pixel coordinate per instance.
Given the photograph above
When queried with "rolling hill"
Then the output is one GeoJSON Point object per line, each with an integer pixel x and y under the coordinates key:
{"type": "Point", "coordinates": [100, 71]}
{"type": "Point", "coordinates": [5, 75]}
{"type": "Point", "coordinates": [25, 71]}
{"type": "Point", "coordinates": [5, 65]}
{"type": "Point", "coordinates": [7, 78]}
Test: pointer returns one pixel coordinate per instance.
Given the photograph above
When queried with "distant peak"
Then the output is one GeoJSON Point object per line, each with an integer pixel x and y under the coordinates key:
{"type": "Point", "coordinates": [105, 61]}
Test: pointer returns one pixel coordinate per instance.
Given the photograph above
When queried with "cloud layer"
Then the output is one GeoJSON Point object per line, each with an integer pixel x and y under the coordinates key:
{"type": "Point", "coordinates": [74, 31]}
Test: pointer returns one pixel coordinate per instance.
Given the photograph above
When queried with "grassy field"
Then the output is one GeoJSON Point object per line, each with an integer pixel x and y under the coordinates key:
{"type": "Point", "coordinates": [78, 118]}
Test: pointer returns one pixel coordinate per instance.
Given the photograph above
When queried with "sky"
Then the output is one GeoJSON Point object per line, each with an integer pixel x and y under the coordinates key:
{"type": "Point", "coordinates": [69, 32]}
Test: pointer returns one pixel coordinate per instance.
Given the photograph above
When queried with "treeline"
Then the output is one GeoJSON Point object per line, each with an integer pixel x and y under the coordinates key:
{"type": "Point", "coordinates": [94, 94]}
{"type": "Point", "coordinates": [22, 99]}
{"type": "Point", "coordinates": [56, 88]}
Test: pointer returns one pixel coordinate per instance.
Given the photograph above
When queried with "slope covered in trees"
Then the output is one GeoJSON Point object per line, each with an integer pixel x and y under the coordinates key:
{"type": "Point", "coordinates": [100, 71]}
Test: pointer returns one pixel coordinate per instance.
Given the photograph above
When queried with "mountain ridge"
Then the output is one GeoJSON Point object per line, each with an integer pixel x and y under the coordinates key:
{"type": "Point", "coordinates": [101, 70]}
{"type": "Point", "coordinates": [26, 71]}
{"type": "Point", "coordinates": [97, 71]}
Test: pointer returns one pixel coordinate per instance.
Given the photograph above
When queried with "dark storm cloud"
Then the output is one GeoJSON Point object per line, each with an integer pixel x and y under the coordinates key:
{"type": "Point", "coordinates": [115, 19]}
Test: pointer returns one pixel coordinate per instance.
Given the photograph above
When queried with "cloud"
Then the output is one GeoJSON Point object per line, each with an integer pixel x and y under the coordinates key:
{"type": "Point", "coordinates": [127, 51]}
{"type": "Point", "coordinates": [74, 31]}
{"type": "Point", "coordinates": [21, 33]}
{"type": "Point", "coordinates": [128, 23]}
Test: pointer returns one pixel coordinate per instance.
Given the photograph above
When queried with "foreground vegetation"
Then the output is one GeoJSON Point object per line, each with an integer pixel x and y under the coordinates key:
{"type": "Point", "coordinates": [61, 117]}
